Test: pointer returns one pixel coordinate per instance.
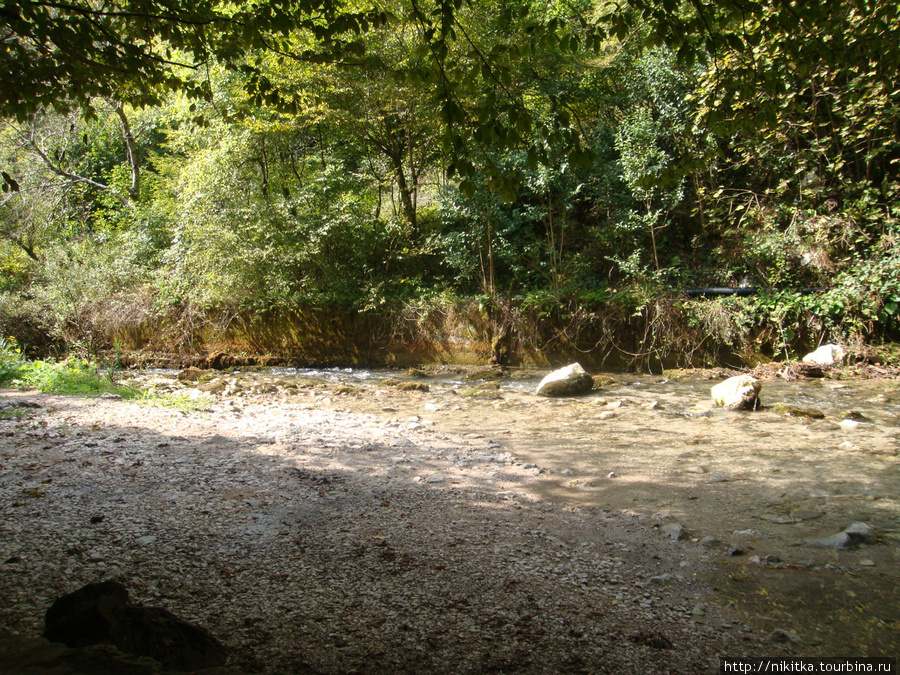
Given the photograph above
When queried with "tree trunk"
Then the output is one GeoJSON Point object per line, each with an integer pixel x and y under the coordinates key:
{"type": "Point", "coordinates": [131, 152]}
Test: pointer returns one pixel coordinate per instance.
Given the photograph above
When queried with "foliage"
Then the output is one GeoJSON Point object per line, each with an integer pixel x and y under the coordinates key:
{"type": "Point", "coordinates": [73, 376]}
{"type": "Point", "coordinates": [548, 164]}
{"type": "Point", "coordinates": [11, 360]}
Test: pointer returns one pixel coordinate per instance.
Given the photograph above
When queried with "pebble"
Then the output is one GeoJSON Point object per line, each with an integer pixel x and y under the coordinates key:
{"type": "Point", "coordinates": [435, 478]}
{"type": "Point", "coordinates": [673, 530]}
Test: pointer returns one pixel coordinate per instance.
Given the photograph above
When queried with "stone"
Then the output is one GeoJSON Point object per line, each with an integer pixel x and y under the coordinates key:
{"type": "Point", "coordinates": [569, 381]}
{"type": "Point", "coordinates": [485, 374]}
{"type": "Point", "coordinates": [826, 355]}
{"type": "Point", "coordinates": [661, 579]}
{"type": "Point", "coordinates": [673, 530]}
{"type": "Point", "coordinates": [853, 535]}
{"type": "Point", "coordinates": [435, 478]}
{"type": "Point", "coordinates": [784, 636]}
{"type": "Point", "coordinates": [413, 386]}
{"type": "Point", "coordinates": [215, 386]}
{"type": "Point", "coordinates": [101, 614]}
{"type": "Point", "coordinates": [737, 393]}
{"type": "Point", "coordinates": [798, 411]}
{"type": "Point", "coordinates": [190, 374]}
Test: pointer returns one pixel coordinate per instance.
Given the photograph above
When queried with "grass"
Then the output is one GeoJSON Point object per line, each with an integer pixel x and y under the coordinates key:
{"type": "Point", "coordinates": [182, 402]}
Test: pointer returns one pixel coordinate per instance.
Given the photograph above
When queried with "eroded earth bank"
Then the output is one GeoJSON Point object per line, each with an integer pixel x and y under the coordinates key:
{"type": "Point", "coordinates": [453, 527]}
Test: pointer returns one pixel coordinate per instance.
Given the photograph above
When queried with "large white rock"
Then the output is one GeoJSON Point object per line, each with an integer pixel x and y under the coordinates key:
{"type": "Point", "coordinates": [569, 381]}
{"type": "Point", "coordinates": [737, 393]}
{"type": "Point", "coordinates": [826, 355]}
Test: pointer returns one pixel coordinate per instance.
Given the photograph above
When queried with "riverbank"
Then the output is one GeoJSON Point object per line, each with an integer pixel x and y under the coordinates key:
{"type": "Point", "coordinates": [319, 526]}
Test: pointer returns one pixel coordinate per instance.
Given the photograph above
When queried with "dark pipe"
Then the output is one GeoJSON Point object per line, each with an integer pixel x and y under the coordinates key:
{"type": "Point", "coordinates": [750, 290]}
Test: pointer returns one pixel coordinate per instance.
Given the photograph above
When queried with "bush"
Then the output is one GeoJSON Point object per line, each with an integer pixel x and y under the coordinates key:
{"type": "Point", "coordinates": [73, 376]}
{"type": "Point", "coordinates": [11, 360]}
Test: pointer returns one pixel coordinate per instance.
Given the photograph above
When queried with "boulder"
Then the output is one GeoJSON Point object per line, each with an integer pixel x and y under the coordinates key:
{"type": "Point", "coordinates": [24, 655]}
{"type": "Point", "coordinates": [569, 381]}
{"type": "Point", "coordinates": [853, 535]}
{"type": "Point", "coordinates": [737, 393]}
{"type": "Point", "coordinates": [101, 614]}
{"type": "Point", "coordinates": [826, 355]}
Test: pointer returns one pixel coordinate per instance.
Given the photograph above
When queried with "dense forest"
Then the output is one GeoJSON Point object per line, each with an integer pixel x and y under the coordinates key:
{"type": "Point", "coordinates": [331, 181]}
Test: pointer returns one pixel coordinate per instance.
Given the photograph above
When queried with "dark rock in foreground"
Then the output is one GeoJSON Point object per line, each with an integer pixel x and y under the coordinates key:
{"type": "Point", "coordinates": [21, 655]}
{"type": "Point", "coordinates": [100, 614]}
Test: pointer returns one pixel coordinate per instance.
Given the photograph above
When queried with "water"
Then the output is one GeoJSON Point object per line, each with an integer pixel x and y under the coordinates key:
{"type": "Point", "coordinates": [876, 401]}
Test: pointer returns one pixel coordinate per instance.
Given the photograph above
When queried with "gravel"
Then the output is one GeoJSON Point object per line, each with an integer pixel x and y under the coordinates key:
{"type": "Point", "coordinates": [311, 539]}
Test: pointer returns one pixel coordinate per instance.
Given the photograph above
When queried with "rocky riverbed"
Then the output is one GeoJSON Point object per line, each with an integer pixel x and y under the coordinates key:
{"type": "Point", "coordinates": [430, 525]}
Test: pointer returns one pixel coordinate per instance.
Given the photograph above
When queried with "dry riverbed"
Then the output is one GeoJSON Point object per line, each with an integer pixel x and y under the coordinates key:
{"type": "Point", "coordinates": [323, 528]}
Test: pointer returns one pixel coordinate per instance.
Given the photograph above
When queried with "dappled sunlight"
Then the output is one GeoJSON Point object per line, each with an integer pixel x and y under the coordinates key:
{"type": "Point", "coordinates": [331, 503]}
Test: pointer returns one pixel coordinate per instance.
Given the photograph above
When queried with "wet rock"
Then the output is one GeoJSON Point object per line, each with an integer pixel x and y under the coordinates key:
{"type": "Point", "coordinates": [485, 374]}
{"type": "Point", "coordinates": [826, 355]}
{"type": "Point", "coordinates": [101, 614]}
{"type": "Point", "coordinates": [603, 381]}
{"type": "Point", "coordinates": [569, 381]}
{"type": "Point", "coordinates": [413, 386]}
{"type": "Point", "coordinates": [737, 393]}
{"type": "Point", "coordinates": [798, 411]}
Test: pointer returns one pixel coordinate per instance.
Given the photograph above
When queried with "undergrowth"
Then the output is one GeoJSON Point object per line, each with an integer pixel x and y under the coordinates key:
{"type": "Point", "coordinates": [73, 376]}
